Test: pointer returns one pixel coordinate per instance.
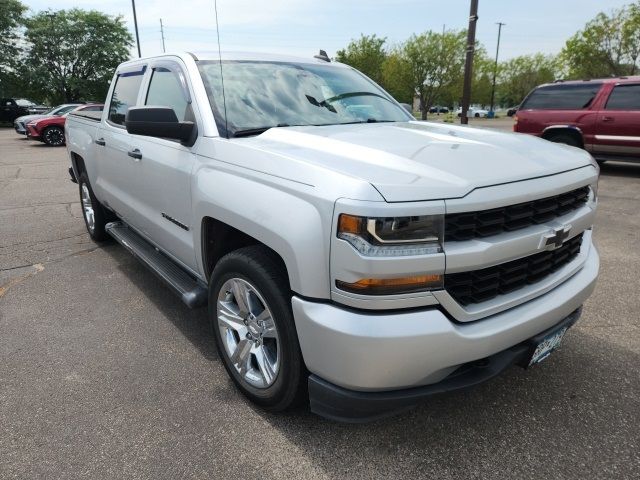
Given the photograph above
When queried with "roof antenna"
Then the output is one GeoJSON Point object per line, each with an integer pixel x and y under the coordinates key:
{"type": "Point", "coordinates": [224, 98]}
{"type": "Point", "coordinates": [323, 56]}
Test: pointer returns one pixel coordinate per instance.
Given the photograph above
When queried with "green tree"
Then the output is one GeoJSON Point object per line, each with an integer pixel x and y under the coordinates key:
{"type": "Point", "coordinates": [397, 78]}
{"type": "Point", "coordinates": [436, 61]}
{"type": "Point", "coordinates": [366, 54]}
{"type": "Point", "coordinates": [482, 83]}
{"type": "Point", "coordinates": [609, 45]}
{"type": "Point", "coordinates": [72, 54]}
{"type": "Point", "coordinates": [11, 20]}
{"type": "Point", "coordinates": [519, 75]}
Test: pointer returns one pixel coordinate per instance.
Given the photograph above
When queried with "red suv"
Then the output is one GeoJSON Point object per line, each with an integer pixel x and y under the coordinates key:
{"type": "Point", "coordinates": [601, 116]}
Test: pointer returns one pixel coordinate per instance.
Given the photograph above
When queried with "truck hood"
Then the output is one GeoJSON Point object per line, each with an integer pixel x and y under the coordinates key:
{"type": "Point", "coordinates": [412, 161]}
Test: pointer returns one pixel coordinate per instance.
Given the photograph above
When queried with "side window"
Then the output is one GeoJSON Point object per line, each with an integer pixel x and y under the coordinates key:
{"type": "Point", "coordinates": [124, 96]}
{"type": "Point", "coordinates": [94, 108]}
{"type": "Point", "coordinates": [624, 97]}
{"type": "Point", "coordinates": [166, 90]}
{"type": "Point", "coordinates": [562, 97]}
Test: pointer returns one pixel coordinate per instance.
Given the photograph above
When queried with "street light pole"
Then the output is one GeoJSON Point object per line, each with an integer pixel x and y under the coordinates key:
{"type": "Point", "coordinates": [495, 67]}
{"type": "Point", "coordinates": [468, 64]}
{"type": "Point", "coordinates": [162, 33]}
{"type": "Point", "coordinates": [135, 24]}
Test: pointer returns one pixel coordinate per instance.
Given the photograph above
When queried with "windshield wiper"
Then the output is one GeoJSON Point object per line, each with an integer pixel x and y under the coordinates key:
{"type": "Point", "coordinates": [356, 94]}
{"type": "Point", "coordinates": [313, 101]}
{"type": "Point", "coordinates": [248, 132]}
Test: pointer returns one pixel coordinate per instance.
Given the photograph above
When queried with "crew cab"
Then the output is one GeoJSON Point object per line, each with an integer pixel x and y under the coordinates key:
{"type": "Point", "coordinates": [348, 254]}
{"type": "Point", "coordinates": [50, 129]}
{"type": "Point", "coordinates": [601, 116]}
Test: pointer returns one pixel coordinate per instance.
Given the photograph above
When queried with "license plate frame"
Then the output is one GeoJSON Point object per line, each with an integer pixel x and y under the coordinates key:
{"type": "Point", "coordinates": [549, 344]}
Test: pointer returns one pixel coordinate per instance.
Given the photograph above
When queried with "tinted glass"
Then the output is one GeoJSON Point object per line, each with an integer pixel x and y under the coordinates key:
{"type": "Point", "coordinates": [165, 90]}
{"type": "Point", "coordinates": [94, 108]}
{"type": "Point", "coordinates": [624, 97]}
{"type": "Point", "coordinates": [24, 103]}
{"type": "Point", "coordinates": [270, 94]}
{"type": "Point", "coordinates": [124, 96]}
{"type": "Point", "coordinates": [562, 97]}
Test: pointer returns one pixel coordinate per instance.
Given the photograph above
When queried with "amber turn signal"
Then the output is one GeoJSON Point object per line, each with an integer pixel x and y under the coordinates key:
{"type": "Point", "coordinates": [391, 286]}
{"type": "Point", "coordinates": [350, 224]}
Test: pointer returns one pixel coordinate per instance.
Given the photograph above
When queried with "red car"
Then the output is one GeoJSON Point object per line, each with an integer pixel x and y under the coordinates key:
{"type": "Point", "coordinates": [601, 116]}
{"type": "Point", "coordinates": [50, 130]}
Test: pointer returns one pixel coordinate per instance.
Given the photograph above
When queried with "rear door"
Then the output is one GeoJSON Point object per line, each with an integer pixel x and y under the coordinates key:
{"type": "Point", "coordinates": [618, 128]}
{"type": "Point", "coordinates": [162, 183]}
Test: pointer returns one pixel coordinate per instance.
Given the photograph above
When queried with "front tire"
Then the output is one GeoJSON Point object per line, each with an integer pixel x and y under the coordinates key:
{"type": "Point", "coordinates": [95, 217]}
{"type": "Point", "coordinates": [53, 136]}
{"type": "Point", "coordinates": [253, 326]}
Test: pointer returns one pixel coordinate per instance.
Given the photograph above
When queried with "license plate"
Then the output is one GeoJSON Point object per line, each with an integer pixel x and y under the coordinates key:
{"type": "Point", "coordinates": [547, 345]}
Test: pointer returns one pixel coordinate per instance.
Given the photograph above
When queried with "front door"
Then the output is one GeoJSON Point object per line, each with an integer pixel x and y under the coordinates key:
{"type": "Point", "coordinates": [162, 186]}
{"type": "Point", "coordinates": [618, 128]}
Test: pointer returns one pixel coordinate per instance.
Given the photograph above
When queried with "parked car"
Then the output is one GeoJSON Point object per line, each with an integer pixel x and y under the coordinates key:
{"type": "Point", "coordinates": [353, 255]}
{"type": "Point", "coordinates": [473, 112]}
{"type": "Point", "coordinates": [601, 116]}
{"type": "Point", "coordinates": [512, 111]}
{"type": "Point", "coordinates": [11, 108]}
{"type": "Point", "coordinates": [50, 130]}
{"type": "Point", "coordinates": [20, 123]}
{"type": "Point", "coordinates": [438, 110]}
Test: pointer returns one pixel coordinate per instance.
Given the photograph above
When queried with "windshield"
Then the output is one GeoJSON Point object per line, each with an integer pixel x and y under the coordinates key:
{"type": "Point", "coordinates": [261, 95]}
{"type": "Point", "coordinates": [24, 103]}
{"type": "Point", "coordinates": [62, 109]}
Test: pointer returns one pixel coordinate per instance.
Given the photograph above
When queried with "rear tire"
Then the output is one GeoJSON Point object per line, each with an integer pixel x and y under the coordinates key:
{"type": "Point", "coordinates": [95, 217]}
{"type": "Point", "coordinates": [53, 136]}
{"type": "Point", "coordinates": [256, 338]}
{"type": "Point", "coordinates": [566, 138]}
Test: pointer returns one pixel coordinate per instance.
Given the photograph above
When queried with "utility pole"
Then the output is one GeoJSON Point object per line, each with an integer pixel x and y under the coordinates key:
{"type": "Point", "coordinates": [468, 64]}
{"type": "Point", "coordinates": [495, 67]}
{"type": "Point", "coordinates": [162, 33]}
{"type": "Point", "coordinates": [135, 24]}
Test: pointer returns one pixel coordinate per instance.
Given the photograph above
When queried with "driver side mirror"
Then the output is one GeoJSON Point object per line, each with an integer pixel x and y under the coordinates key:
{"type": "Point", "coordinates": [160, 122]}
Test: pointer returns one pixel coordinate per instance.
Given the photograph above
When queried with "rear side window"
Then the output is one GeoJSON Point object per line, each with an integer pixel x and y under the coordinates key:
{"type": "Point", "coordinates": [562, 97]}
{"type": "Point", "coordinates": [125, 94]}
{"type": "Point", "coordinates": [166, 90]}
{"type": "Point", "coordinates": [624, 97]}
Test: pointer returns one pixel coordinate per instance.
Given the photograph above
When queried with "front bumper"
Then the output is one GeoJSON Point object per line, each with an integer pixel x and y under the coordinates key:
{"type": "Point", "coordinates": [32, 133]}
{"type": "Point", "coordinates": [20, 128]}
{"type": "Point", "coordinates": [377, 352]}
{"type": "Point", "coordinates": [341, 404]}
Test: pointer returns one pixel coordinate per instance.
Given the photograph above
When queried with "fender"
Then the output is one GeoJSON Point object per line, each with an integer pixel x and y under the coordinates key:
{"type": "Point", "coordinates": [274, 212]}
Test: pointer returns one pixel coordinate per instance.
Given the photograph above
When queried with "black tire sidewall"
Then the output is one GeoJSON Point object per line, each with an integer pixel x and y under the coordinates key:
{"type": "Point", "coordinates": [50, 129]}
{"type": "Point", "coordinates": [285, 390]}
{"type": "Point", "coordinates": [100, 219]}
{"type": "Point", "coordinates": [565, 139]}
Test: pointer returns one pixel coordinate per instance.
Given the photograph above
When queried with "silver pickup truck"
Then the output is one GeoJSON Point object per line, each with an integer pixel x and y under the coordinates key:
{"type": "Point", "coordinates": [347, 253]}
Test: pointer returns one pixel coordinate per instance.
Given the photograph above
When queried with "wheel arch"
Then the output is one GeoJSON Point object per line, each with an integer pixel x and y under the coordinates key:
{"type": "Point", "coordinates": [292, 227]}
{"type": "Point", "coordinates": [572, 130]}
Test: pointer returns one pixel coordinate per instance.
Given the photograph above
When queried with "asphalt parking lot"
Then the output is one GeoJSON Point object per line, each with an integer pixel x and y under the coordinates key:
{"type": "Point", "coordinates": [105, 374]}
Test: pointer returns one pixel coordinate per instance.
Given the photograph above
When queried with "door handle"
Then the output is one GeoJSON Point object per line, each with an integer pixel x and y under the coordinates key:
{"type": "Point", "coordinates": [135, 153]}
{"type": "Point", "coordinates": [607, 119]}
{"type": "Point", "coordinates": [100, 141]}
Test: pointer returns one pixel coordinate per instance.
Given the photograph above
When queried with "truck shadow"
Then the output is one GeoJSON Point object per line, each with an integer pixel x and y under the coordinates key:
{"type": "Point", "coordinates": [572, 416]}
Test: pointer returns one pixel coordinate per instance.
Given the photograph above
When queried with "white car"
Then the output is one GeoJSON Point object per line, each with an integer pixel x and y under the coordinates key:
{"type": "Point", "coordinates": [350, 256]}
{"type": "Point", "coordinates": [473, 112]}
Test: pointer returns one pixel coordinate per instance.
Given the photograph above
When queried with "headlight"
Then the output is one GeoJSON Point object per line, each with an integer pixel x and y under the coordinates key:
{"type": "Point", "coordinates": [393, 236]}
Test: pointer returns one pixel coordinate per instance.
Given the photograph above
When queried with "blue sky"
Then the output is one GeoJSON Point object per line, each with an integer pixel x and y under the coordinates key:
{"type": "Point", "coordinates": [301, 27]}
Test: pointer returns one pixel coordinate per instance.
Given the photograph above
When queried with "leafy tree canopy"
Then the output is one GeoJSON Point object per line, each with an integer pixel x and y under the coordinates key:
{"type": "Point", "coordinates": [11, 19]}
{"type": "Point", "coordinates": [72, 54]}
{"type": "Point", "coordinates": [609, 45]}
{"type": "Point", "coordinates": [366, 54]}
{"type": "Point", "coordinates": [519, 75]}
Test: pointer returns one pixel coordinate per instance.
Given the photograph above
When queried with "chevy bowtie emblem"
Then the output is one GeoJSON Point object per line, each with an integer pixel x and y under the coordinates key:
{"type": "Point", "coordinates": [555, 239]}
